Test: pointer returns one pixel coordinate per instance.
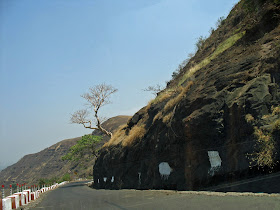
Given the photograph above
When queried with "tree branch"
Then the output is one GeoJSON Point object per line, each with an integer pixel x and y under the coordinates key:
{"type": "Point", "coordinates": [97, 97]}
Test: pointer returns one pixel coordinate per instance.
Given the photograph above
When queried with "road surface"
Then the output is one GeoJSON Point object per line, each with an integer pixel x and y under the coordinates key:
{"type": "Point", "coordinates": [79, 196]}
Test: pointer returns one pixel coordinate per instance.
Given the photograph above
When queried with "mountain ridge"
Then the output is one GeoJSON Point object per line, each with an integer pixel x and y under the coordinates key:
{"type": "Point", "coordinates": [48, 164]}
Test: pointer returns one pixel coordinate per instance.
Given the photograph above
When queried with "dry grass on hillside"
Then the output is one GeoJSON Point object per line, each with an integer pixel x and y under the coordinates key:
{"type": "Point", "coordinates": [249, 118]}
{"type": "Point", "coordinates": [172, 102]}
{"type": "Point", "coordinates": [275, 110]}
{"type": "Point", "coordinates": [160, 98]}
{"type": "Point", "coordinates": [220, 48]}
{"type": "Point", "coordinates": [165, 114]}
{"type": "Point", "coordinates": [265, 147]}
{"type": "Point", "coordinates": [167, 118]}
{"type": "Point", "coordinates": [137, 132]}
{"type": "Point", "coordinates": [158, 116]}
{"type": "Point", "coordinates": [120, 137]}
{"type": "Point", "coordinates": [117, 137]}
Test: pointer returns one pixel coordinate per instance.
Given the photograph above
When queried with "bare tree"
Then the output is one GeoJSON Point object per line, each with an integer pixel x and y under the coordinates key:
{"type": "Point", "coordinates": [154, 89]}
{"type": "Point", "coordinates": [97, 97]}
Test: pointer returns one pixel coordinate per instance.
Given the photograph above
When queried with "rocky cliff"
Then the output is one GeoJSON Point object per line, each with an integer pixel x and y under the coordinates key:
{"type": "Point", "coordinates": [217, 121]}
{"type": "Point", "coordinates": [48, 164]}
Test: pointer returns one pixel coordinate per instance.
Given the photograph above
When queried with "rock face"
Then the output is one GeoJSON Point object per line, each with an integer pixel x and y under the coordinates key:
{"type": "Point", "coordinates": [202, 129]}
{"type": "Point", "coordinates": [48, 164]}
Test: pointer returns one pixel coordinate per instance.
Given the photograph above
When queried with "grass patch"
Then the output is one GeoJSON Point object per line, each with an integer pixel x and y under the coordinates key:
{"type": "Point", "coordinates": [137, 132]}
{"type": "Point", "coordinates": [172, 102]}
{"type": "Point", "coordinates": [227, 44]}
{"type": "Point", "coordinates": [275, 110]}
{"type": "Point", "coordinates": [117, 137]}
{"type": "Point", "coordinates": [249, 118]}
{"type": "Point", "coordinates": [265, 147]}
{"type": "Point", "coordinates": [160, 98]}
{"type": "Point", "coordinates": [121, 136]}
{"type": "Point", "coordinates": [221, 48]}
{"type": "Point", "coordinates": [181, 92]}
{"type": "Point", "coordinates": [158, 116]}
{"type": "Point", "coordinates": [166, 119]}
{"type": "Point", "coordinates": [276, 126]}
{"type": "Point", "coordinates": [149, 105]}
{"type": "Point", "coordinates": [163, 96]}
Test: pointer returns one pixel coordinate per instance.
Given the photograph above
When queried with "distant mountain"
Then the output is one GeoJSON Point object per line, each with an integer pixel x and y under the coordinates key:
{"type": "Point", "coordinates": [4, 166]}
{"type": "Point", "coordinates": [47, 163]}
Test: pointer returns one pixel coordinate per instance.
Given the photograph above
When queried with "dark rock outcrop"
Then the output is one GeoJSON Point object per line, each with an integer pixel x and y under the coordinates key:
{"type": "Point", "coordinates": [196, 131]}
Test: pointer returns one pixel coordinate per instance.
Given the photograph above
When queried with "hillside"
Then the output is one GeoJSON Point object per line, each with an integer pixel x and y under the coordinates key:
{"type": "Point", "coordinates": [217, 121]}
{"type": "Point", "coordinates": [47, 163]}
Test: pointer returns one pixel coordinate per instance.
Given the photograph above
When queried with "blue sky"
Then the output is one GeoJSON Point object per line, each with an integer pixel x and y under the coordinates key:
{"type": "Point", "coordinates": [52, 51]}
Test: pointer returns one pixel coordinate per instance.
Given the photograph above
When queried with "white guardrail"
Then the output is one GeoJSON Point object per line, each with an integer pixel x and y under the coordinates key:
{"type": "Point", "coordinates": [23, 198]}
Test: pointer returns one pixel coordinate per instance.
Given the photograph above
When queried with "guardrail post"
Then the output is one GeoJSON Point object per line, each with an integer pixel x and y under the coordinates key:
{"type": "Point", "coordinates": [11, 190]}
{"type": "Point", "coordinates": [3, 192]}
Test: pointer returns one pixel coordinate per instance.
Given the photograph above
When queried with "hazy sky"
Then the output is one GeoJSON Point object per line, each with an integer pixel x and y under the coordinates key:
{"type": "Point", "coordinates": [52, 51]}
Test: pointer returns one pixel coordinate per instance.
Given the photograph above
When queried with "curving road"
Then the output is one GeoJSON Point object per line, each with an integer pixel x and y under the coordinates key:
{"type": "Point", "coordinates": [78, 196]}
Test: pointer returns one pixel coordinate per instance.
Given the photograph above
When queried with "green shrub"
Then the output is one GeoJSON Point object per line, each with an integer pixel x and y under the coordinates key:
{"type": "Point", "coordinates": [200, 42]}
{"type": "Point", "coordinates": [51, 181]}
{"type": "Point", "coordinates": [85, 148]}
{"type": "Point", "coordinates": [220, 21]}
{"type": "Point", "coordinates": [42, 182]}
{"type": "Point", "coordinates": [66, 177]}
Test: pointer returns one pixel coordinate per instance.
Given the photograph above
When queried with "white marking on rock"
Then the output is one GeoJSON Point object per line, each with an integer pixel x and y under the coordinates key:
{"type": "Point", "coordinates": [139, 177]}
{"type": "Point", "coordinates": [113, 178]}
{"type": "Point", "coordinates": [105, 179]}
{"type": "Point", "coordinates": [215, 162]}
{"type": "Point", "coordinates": [164, 170]}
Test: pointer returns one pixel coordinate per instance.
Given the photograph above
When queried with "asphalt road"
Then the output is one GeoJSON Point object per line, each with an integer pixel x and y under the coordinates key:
{"type": "Point", "coordinates": [79, 196]}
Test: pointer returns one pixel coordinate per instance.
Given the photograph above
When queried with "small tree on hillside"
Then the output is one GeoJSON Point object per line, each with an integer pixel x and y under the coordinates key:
{"type": "Point", "coordinates": [85, 149]}
{"type": "Point", "coordinates": [97, 97]}
{"type": "Point", "coordinates": [200, 42]}
{"type": "Point", "coordinates": [154, 89]}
